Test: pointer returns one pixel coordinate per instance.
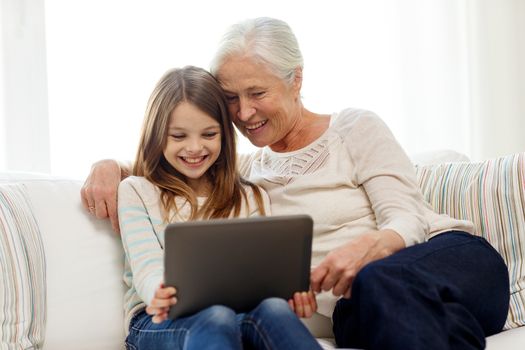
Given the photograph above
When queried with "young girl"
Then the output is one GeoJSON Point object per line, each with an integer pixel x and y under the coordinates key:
{"type": "Point", "coordinates": [185, 169]}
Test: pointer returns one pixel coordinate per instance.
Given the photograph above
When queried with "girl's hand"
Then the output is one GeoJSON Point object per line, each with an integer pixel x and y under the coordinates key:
{"type": "Point", "coordinates": [163, 299]}
{"type": "Point", "coordinates": [303, 304]}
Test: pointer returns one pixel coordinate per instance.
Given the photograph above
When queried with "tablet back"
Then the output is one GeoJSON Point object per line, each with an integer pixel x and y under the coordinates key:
{"type": "Point", "coordinates": [237, 262]}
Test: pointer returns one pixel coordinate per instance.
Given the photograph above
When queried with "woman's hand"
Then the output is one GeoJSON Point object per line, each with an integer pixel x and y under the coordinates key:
{"type": "Point", "coordinates": [338, 269]}
{"type": "Point", "coordinates": [99, 193]}
{"type": "Point", "coordinates": [163, 299]}
{"type": "Point", "coordinates": [303, 304]}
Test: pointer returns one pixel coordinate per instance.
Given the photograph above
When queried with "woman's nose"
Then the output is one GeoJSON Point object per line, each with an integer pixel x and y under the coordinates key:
{"type": "Point", "coordinates": [246, 110]}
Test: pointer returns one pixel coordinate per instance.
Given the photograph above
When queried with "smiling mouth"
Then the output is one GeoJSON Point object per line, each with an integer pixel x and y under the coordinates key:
{"type": "Point", "coordinates": [254, 127]}
{"type": "Point", "coordinates": [193, 160]}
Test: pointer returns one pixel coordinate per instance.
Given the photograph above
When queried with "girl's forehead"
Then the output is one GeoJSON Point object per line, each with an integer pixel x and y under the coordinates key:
{"type": "Point", "coordinates": [190, 114]}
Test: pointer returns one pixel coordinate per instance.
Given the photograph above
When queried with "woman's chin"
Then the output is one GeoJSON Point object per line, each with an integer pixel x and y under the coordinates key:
{"type": "Point", "coordinates": [257, 141]}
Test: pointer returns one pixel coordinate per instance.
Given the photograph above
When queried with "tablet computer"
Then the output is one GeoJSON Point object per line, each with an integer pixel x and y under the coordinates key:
{"type": "Point", "coordinates": [236, 262]}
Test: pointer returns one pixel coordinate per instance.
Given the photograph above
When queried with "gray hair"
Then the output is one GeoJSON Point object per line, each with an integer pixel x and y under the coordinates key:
{"type": "Point", "coordinates": [267, 40]}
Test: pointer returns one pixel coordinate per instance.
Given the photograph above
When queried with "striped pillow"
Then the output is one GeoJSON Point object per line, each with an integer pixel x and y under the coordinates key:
{"type": "Point", "coordinates": [22, 273]}
{"type": "Point", "coordinates": [491, 194]}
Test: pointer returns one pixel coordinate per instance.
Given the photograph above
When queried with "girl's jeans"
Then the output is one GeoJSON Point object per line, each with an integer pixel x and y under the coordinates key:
{"type": "Point", "coordinates": [271, 325]}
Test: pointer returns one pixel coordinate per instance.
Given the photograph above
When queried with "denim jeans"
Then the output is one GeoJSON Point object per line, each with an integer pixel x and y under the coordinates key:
{"type": "Point", "coordinates": [448, 293]}
{"type": "Point", "coordinates": [271, 325]}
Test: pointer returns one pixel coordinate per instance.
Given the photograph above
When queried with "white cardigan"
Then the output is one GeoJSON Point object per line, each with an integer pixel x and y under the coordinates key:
{"type": "Point", "coordinates": [353, 179]}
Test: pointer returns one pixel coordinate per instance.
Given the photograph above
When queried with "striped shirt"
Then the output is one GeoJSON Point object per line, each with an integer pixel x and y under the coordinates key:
{"type": "Point", "coordinates": [142, 231]}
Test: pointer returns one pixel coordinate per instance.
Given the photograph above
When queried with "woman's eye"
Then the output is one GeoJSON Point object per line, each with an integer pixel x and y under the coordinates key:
{"type": "Point", "coordinates": [231, 99]}
{"type": "Point", "coordinates": [177, 136]}
{"type": "Point", "coordinates": [210, 135]}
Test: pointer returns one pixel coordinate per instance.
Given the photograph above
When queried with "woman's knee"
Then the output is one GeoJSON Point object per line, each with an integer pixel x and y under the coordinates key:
{"type": "Point", "coordinates": [377, 277]}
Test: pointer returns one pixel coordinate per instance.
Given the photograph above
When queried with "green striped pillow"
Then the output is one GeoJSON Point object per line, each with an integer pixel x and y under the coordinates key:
{"type": "Point", "coordinates": [491, 194]}
{"type": "Point", "coordinates": [22, 273]}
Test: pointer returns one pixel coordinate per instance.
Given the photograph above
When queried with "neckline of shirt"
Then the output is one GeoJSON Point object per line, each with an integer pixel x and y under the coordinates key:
{"type": "Point", "coordinates": [311, 145]}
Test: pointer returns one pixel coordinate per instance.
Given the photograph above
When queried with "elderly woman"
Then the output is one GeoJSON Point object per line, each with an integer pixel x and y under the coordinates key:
{"type": "Point", "coordinates": [390, 272]}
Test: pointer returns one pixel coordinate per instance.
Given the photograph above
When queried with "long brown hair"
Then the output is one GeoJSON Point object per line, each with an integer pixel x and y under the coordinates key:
{"type": "Point", "coordinates": [196, 86]}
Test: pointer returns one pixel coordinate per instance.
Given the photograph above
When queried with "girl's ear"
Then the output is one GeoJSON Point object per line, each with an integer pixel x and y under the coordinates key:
{"type": "Point", "coordinates": [298, 81]}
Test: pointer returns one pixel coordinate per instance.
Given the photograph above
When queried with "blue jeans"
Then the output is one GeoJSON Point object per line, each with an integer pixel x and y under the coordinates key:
{"type": "Point", "coordinates": [271, 325]}
{"type": "Point", "coordinates": [448, 293]}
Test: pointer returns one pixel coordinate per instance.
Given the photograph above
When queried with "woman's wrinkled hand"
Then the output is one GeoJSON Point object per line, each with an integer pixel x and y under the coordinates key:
{"type": "Point", "coordinates": [159, 306]}
{"type": "Point", "coordinates": [99, 192]}
{"type": "Point", "coordinates": [339, 268]}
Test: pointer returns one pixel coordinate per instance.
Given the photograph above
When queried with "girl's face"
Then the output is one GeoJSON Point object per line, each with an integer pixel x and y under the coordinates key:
{"type": "Point", "coordinates": [193, 144]}
{"type": "Point", "coordinates": [263, 107]}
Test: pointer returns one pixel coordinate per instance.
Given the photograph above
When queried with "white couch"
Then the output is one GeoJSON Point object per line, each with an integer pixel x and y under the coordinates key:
{"type": "Point", "coordinates": [83, 286]}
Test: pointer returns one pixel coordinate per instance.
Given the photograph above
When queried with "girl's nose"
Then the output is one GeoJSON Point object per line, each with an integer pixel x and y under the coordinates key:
{"type": "Point", "coordinates": [194, 146]}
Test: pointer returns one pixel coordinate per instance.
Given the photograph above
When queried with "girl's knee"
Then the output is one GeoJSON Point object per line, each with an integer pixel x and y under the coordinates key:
{"type": "Point", "coordinates": [214, 327]}
{"type": "Point", "coordinates": [219, 316]}
{"type": "Point", "coordinates": [274, 306]}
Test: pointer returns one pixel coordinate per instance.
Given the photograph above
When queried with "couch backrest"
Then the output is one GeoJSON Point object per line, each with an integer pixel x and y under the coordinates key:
{"type": "Point", "coordinates": [491, 194]}
{"type": "Point", "coordinates": [84, 262]}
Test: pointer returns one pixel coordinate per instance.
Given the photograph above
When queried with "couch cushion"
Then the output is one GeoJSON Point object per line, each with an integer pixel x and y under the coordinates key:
{"type": "Point", "coordinates": [492, 195]}
{"type": "Point", "coordinates": [84, 269]}
{"type": "Point", "coordinates": [22, 273]}
{"type": "Point", "coordinates": [510, 339]}
{"type": "Point", "coordinates": [438, 157]}
{"type": "Point", "coordinates": [84, 266]}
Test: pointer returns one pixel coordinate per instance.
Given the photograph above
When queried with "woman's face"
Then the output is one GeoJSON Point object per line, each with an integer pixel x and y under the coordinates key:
{"type": "Point", "coordinates": [263, 107]}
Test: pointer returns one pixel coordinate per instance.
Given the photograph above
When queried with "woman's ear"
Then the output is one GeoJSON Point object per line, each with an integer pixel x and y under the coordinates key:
{"type": "Point", "coordinates": [298, 81]}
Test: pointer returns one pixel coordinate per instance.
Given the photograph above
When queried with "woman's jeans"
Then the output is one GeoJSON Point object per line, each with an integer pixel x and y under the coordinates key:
{"type": "Point", "coordinates": [271, 325]}
{"type": "Point", "coordinates": [448, 293]}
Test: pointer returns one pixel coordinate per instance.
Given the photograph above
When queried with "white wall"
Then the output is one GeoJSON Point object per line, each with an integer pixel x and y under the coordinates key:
{"type": "Point", "coordinates": [434, 75]}
{"type": "Point", "coordinates": [441, 73]}
{"type": "Point", "coordinates": [24, 125]}
{"type": "Point", "coordinates": [3, 130]}
{"type": "Point", "coordinates": [497, 31]}
{"type": "Point", "coordinates": [402, 59]}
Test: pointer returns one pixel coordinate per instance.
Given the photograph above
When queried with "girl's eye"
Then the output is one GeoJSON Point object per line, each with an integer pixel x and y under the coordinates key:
{"type": "Point", "coordinates": [177, 136]}
{"type": "Point", "coordinates": [210, 135]}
